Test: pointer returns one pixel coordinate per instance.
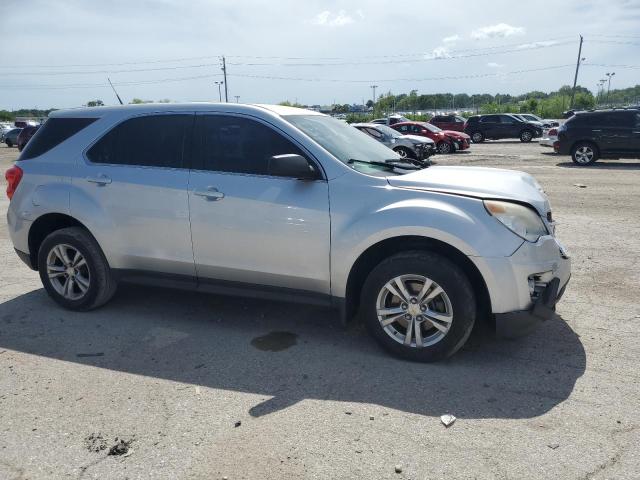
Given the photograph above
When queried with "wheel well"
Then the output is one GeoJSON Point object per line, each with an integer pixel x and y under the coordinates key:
{"type": "Point", "coordinates": [590, 142]}
{"type": "Point", "coordinates": [45, 225]}
{"type": "Point", "coordinates": [371, 257]}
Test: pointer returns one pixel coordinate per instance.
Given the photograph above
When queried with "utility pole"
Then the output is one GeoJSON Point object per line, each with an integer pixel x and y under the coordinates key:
{"type": "Point", "coordinates": [609, 86]}
{"type": "Point", "coordinates": [237, 97]}
{"type": "Point", "coordinates": [575, 78]}
{"type": "Point", "coordinates": [219, 90]}
{"type": "Point", "coordinates": [224, 71]}
{"type": "Point", "coordinates": [373, 87]}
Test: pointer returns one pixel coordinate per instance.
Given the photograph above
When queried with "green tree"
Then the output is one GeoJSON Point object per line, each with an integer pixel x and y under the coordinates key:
{"type": "Point", "coordinates": [95, 103]}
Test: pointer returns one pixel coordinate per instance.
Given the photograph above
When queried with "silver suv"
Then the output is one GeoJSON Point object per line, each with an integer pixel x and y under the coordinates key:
{"type": "Point", "coordinates": [283, 203]}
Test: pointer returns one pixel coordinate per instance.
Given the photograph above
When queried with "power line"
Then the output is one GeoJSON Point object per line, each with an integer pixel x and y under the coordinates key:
{"type": "Point", "coordinates": [387, 59]}
{"type": "Point", "coordinates": [272, 77]}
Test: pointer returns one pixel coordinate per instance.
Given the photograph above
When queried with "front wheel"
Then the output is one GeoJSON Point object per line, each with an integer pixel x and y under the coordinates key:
{"type": "Point", "coordinates": [419, 305]}
{"type": "Point", "coordinates": [74, 271]}
{"type": "Point", "coordinates": [444, 147]}
{"type": "Point", "coordinates": [477, 137]}
{"type": "Point", "coordinates": [9, 143]}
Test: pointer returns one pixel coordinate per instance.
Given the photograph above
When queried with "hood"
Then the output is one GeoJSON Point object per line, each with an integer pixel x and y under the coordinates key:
{"type": "Point", "coordinates": [534, 123]}
{"type": "Point", "coordinates": [455, 134]}
{"type": "Point", "coordinates": [478, 182]}
{"type": "Point", "coordinates": [417, 138]}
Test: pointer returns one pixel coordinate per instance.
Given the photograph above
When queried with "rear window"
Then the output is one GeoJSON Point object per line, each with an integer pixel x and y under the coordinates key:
{"type": "Point", "coordinates": [53, 133]}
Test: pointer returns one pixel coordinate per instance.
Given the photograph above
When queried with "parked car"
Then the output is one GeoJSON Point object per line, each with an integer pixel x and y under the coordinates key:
{"type": "Point", "coordinates": [407, 146]}
{"type": "Point", "coordinates": [588, 136]}
{"type": "Point", "coordinates": [449, 122]}
{"type": "Point", "coordinates": [446, 141]}
{"type": "Point", "coordinates": [11, 137]}
{"type": "Point", "coordinates": [25, 135]}
{"type": "Point", "coordinates": [285, 203]}
{"type": "Point", "coordinates": [391, 120]}
{"type": "Point", "coordinates": [545, 122]}
{"type": "Point", "coordinates": [549, 137]}
{"type": "Point", "coordinates": [532, 122]}
{"type": "Point", "coordinates": [497, 126]}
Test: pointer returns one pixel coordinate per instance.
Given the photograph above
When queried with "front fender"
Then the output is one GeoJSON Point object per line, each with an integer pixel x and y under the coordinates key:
{"type": "Point", "coordinates": [460, 222]}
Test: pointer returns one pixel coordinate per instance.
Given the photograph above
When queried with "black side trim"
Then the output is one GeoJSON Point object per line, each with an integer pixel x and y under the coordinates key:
{"type": "Point", "coordinates": [26, 258]}
{"type": "Point", "coordinates": [223, 287]}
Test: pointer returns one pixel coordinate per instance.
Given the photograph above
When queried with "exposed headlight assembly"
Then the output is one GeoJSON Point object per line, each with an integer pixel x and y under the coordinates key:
{"type": "Point", "coordinates": [523, 221]}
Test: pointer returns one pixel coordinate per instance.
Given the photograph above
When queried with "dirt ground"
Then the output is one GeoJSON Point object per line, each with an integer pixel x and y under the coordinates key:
{"type": "Point", "coordinates": [182, 385]}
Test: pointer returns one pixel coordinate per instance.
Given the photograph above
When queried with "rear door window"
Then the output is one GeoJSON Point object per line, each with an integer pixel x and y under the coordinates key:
{"type": "Point", "coordinates": [490, 119]}
{"type": "Point", "coordinates": [53, 133]}
{"type": "Point", "coordinates": [149, 141]}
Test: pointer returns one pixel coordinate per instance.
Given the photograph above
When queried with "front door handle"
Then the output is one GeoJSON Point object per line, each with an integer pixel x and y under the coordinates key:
{"type": "Point", "coordinates": [596, 130]}
{"type": "Point", "coordinates": [211, 193]}
{"type": "Point", "coordinates": [100, 179]}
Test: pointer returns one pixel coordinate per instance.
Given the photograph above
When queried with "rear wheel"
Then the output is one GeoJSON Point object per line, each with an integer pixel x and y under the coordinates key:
{"type": "Point", "coordinates": [444, 147]}
{"type": "Point", "coordinates": [74, 271]}
{"type": "Point", "coordinates": [9, 143]}
{"type": "Point", "coordinates": [477, 137]}
{"type": "Point", "coordinates": [584, 153]}
{"type": "Point", "coordinates": [419, 305]}
{"type": "Point", "coordinates": [526, 136]}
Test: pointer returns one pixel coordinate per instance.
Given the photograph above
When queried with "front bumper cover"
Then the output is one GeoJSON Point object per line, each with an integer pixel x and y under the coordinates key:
{"type": "Point", "coordinates": [515, 324]}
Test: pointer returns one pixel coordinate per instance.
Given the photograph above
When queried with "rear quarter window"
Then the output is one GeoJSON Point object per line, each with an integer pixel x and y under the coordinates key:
{"type": "Point", "coordinates": [53, 133]}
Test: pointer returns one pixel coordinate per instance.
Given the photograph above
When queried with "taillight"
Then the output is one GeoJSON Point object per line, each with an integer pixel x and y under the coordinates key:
{"type": "Point", "coordinates": [553, 131]}
{"type": "Point", "coordinates": [13, 176]}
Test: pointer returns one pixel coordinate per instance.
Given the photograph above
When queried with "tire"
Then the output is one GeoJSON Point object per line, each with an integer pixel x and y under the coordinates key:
{"type": "Point", "coordinates": [93, 283]}
{"type": "Point", "coordinates": [9, 143]}
{"type": "Point", "coordinates": [445, 147]}
{"type": "Point", "coordinates": [404, 152]}
{"type": "Point", "coordinates": [456, 302]}
{"type": "Point", "coordinates": [477, 137]}
{"type": "Point", "coordinates": [584, 153]}
{"type": "Point", "coordinates": [526, 136]}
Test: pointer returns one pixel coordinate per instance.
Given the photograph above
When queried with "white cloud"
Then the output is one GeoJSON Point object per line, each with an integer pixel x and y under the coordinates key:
{"type": "Point", "coordinates": [495, 65]}
{"type": "Point", "coordinates": [340, 19]}
{"type": "Point", "coordinates": [438, 53]}
{"type": "Point", "coordinates": [499, 30]}
{"type": "Point", "coordinates": [451, 39]}
{"type": "Point", "coordinates": [546, 43]}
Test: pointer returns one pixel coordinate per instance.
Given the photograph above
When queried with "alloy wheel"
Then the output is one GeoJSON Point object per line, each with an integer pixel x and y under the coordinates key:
{"type": "Point", "coordinates": [402, 152]}
{"type": "Point", "coordinates": [584, 154]}
{"type": "Point", "coordinates": [68, 271]}
{"type": "Point", "coordinates": [445, 147]}
{"type": "Point", "coordinates": [477, 137]}
{"type": "Point", "coordinates": [414, 311]}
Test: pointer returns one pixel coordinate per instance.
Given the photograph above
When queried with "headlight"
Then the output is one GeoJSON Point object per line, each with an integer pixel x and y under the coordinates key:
{"type": "Point", "coordinates": [522, 221]}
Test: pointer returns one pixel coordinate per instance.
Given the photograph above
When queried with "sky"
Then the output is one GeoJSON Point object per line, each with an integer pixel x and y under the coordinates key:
{"type": "Point", "coordinates": [59, 54]}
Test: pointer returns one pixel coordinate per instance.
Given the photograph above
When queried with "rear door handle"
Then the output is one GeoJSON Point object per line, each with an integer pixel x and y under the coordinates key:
{"type": "Point", "coordinates": [211, 193]}
{"type": "Point", "coordinates": [596, 130]}
{"type": "Point", "coordinates": [100, 179]}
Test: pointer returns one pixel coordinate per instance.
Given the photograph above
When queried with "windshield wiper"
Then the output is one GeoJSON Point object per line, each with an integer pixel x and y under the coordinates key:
{"type": "Point", "coordinates": [388, 163]}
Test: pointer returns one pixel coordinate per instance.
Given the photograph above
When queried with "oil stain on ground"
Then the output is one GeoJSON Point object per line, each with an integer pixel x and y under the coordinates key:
{"type": "Point", "coordinates": [275, 341]}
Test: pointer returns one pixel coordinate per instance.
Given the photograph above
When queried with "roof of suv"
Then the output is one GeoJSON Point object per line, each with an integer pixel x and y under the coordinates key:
{"type": "Point", "coordinates": [97, 112]}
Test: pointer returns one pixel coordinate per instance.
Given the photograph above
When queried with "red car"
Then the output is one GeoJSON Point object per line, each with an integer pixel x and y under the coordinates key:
{"type": "Point", "coordinates": [446, 141]}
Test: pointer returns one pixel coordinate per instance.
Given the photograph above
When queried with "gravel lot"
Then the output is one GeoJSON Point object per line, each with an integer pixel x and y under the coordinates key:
{"type": "Point", "coordinates": [187, 378]}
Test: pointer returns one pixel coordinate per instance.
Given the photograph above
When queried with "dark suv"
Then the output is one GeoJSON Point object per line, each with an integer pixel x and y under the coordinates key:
{"type": "Point", "coordinates": [503, 125]}
{"type": "Point", "coordinates": [588, 136]}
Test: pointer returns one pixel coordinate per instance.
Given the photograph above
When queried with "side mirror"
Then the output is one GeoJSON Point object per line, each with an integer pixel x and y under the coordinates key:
{"type": "Point", "coordinates": [292, 165]}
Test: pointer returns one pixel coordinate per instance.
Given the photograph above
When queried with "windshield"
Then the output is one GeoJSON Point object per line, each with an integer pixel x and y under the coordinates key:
{"type": "Point", "coordinates": [342, 140]}
{"type": "Point", "coordinates": [388, 131]}
{"type": "Point", "coordinates": [431, 128]}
